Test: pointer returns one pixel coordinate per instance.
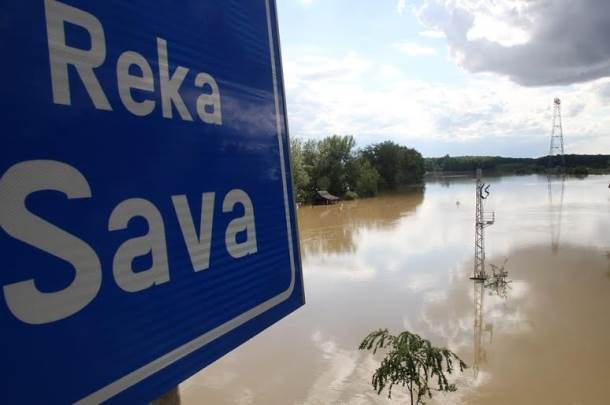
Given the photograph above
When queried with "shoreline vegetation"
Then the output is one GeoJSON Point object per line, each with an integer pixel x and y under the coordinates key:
{"type": "Point", "coordinates": [579, 165]}
{"type": "Point", "coordinates": [335, 165]}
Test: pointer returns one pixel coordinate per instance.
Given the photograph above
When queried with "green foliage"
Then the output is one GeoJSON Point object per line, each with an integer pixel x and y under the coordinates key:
{"type": "Point", "coordinates": [363, 177]}
{"type": "Point", "coordinates": [300, 177]}
{"type": "Point", "coordinates": [326, 163]}
{"type": "Point", "coordinates": [335, 165]}
{"type": "Point", "coordinates": [576, 164]}
{"type": "Point", "coordinates": [311, 157]}
{"type": "Point", "coordinates": [350, 195]}
{"type": "Point", "coordinates": [335, 154]}
{"type": "Point", "coordinates": [323, 183]}
{"type": "Point", "coordinates": [413, 362]}
{"type": "Point", "coordinates": [579, 171]}
{"type": "Point", "coordinates": [396, 164]}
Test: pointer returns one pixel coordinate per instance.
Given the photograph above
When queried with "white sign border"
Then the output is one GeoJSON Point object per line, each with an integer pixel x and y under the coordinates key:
{"type": "Point", "coordinates": [180, 352]}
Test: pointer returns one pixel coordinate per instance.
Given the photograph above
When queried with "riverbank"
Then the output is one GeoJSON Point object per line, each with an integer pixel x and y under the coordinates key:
{"type": "Point", "coordinates": [574, 164]}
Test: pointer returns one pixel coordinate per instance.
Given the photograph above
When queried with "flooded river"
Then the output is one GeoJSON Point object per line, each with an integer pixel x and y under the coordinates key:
{"type": "Point", "coordinates": [403, 261]}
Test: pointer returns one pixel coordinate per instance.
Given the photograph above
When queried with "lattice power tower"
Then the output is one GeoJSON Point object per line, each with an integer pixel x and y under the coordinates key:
{"type": "Point", "coordinates": [556, 146]}
{"type": "Point", "coordinates": [482, 220]}
{"type": "Point", "coordinates": [496, 280]}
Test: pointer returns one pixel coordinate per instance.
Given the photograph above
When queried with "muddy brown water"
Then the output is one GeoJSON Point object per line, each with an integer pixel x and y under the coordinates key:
{"type": "Point", "coordinates": [403, 261]}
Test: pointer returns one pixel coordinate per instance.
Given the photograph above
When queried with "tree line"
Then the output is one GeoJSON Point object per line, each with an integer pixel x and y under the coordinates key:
{"type": "Point", "coordinates": [334, 164]}
{"type": "Point", "coordinates": [574, 164]}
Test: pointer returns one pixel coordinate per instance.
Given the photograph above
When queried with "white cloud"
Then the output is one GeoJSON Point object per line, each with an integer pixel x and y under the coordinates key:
{"type": "Point", "coordinates": [391, 72]}
{"type": "Point", "coordinates": [436, 34]}
{"type": "Point", "coordinates": [374, 101]}
{"type": "Point", "coordinates": [401, 6]}
{"type": "Point", "coordinates": [414, 49]}
{"type": "Point", "coordinates": [498, 31]}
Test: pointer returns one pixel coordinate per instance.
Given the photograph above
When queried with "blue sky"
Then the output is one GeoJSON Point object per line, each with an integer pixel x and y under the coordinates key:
{"type": "Point", "coordinates": [446, 76]}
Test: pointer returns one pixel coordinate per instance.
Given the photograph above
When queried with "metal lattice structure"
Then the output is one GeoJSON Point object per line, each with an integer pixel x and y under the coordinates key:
{"type": "Point", "coordinates": [482, 220]}
{"type": "Point", "coordinates": [496, 282]}
{"type": "Point", "coordinates": [556, 209]}
{"type": "Point", "coordinates": [556, 145]}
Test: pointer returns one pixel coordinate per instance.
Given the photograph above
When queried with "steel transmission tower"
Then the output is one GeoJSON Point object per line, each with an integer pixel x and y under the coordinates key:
{"type": "Point", "coordinates": [496, 281]}
{"type": "Point", "coordinates": [556, 146]}
{"type": "Point", "coordinates": [482, 220]}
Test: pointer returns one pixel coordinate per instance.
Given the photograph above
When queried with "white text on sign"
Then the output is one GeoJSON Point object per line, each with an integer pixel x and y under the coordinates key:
{"type": "Point", "coordinates": [30, 305]}
{"type": "Point", "coordinates": [85, 61]}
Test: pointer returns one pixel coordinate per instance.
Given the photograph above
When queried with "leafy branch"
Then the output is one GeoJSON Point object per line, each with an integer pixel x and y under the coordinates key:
{"type": "Point", "coordinates": [413, 362]}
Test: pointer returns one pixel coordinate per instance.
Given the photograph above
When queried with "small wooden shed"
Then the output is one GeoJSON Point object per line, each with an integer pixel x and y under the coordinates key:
{"type": "Point", "coordinates": [327, 198]}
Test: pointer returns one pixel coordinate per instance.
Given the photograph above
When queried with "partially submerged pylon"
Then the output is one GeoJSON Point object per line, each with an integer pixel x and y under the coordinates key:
{"type": "Point", "coordinates": [497, 282]}
{"type": "Point", "coordinates": [482, 220]}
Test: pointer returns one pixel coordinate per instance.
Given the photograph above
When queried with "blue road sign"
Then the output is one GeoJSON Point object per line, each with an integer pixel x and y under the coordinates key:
{"type": "Point", "coordinates": [146, 207]}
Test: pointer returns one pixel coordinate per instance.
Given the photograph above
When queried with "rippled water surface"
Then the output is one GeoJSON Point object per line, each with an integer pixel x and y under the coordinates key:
{"type": "Point", "coordinates": [403, 261]}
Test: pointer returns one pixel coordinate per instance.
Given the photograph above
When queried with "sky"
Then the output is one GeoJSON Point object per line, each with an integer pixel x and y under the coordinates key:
{"type": "Point", "coordinates": [458, 77]}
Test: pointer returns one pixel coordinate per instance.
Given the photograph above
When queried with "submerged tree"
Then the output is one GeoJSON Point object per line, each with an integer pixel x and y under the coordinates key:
{"type": "Point", "coordinates": [397, 165]}
{"type": "Point", "coordinates": [300, 177]}
{"type": "Point", "coordinates": [413, 362]}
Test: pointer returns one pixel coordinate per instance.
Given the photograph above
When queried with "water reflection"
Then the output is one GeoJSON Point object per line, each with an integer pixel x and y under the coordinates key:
{"type": "Point", "coordinates": [499, 285]}
{"type": "Point", "coordinates": [333, 228]}
{"type": "Point", "coordinates": [404, 262]}
{"type": "Point", "coordinates": [556, 187]}
{"type": "Point", "coordinates": [551, 333]}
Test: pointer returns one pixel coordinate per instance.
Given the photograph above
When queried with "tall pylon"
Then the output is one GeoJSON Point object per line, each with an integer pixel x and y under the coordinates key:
{"type": "Point", "coordinates": [556, 145]}
{"type": "Point", "coordinates": [482, 220]}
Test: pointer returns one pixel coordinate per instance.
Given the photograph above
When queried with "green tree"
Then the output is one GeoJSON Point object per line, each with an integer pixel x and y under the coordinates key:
{"type": "Point", "coordinates": [362, 177]}
{"type": "Point", "coordinates": [334, 164]}
{"type": "Point", "coordinates": [336, 152]}
{"type": "Point", "coordinates": [323, 183]}
{"type": "Point", "coordinates": [411, 361]}
{"type": "Point", "coordinates": [499, 164]}
{"type": "Point", "coordinates": [397, 165]}
{"type": "Point", "coordinates": [311, 158]}
{"type": "Point", "coordinates": [300, 177]}
{"type": "Point", "coordinates": [412, 168]}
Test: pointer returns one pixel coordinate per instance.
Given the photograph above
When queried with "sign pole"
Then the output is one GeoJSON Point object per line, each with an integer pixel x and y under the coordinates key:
{"type": "Point", "coordinates": [171, 397]}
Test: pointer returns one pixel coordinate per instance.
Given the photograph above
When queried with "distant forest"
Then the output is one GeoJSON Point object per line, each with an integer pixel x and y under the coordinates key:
{"type": "Point", "coordinates": [335, 165]}
{"type": "Point", "coordinates": [574, 164]}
